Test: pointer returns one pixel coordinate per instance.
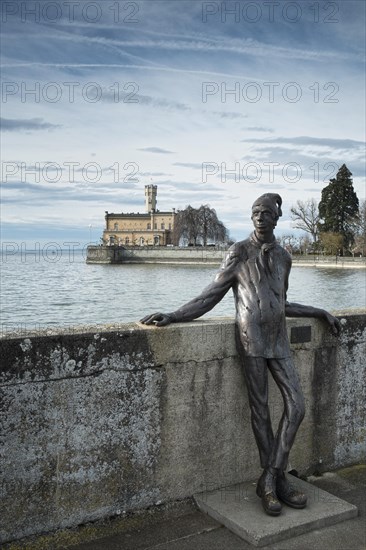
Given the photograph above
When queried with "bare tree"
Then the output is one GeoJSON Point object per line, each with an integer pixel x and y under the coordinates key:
{"type": "Point", "coordinates": [196, 224]}
{"type": "Point", "coordinates": [288, 242]}
{"type": "Point", "coordinates": [210, 226]}
{"type": "Point", "coordinates": [186, 225]}
{"type": "Point", "coordinates": [304, 244]}
{"type": "Point", "coordinates": [306, 217]}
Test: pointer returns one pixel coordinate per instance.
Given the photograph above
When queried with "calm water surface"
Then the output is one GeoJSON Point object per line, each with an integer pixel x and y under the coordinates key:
{"type": "Point", "coordinates": [67, 291]}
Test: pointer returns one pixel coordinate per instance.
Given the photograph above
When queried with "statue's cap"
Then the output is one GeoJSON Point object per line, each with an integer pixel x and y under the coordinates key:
{"type": "Point", "coordinates": [270, 200]}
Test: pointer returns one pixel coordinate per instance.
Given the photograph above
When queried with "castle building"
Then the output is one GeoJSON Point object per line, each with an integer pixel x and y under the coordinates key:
{"type": "Point", "coordinates": [153, 228]}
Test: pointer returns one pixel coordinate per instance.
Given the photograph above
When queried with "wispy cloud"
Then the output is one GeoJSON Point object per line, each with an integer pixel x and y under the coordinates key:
{"type": "Point", "coordinates": [260, 129]}
{"type": "Point", "coordinates": [20, 192]}
{"type": "Point", "coordinates": [158, 150]}
{"type": "Point", "coordinates": [153, 174]}
{"type": "Point", "coordinates": [210, 45]}
{"type": "Point", "coordinates": [309, 140]}
{"type": "Point", "coordinates": [194, 165]}
{"type": "Point", "coordinates": [228, 114]}
{"type": "Point", "coordinates": [141, 99]}
{"type": "Point", "coordinates": [30, 124]}
{"type": "Point", "coordinates": [328, 153]}
{"type": "Point", "coordinates": [92, 66]}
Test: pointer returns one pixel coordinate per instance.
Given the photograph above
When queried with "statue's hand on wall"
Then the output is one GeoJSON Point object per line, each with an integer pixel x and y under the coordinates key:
{"type": "Point", "coordinates": [333, 322]}
{"type": "Point", "coordinates": [158, 319]}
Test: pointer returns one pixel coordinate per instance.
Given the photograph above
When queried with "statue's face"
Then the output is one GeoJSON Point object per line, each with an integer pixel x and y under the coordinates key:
{"type": "Point", "coordinates": [263, 218]}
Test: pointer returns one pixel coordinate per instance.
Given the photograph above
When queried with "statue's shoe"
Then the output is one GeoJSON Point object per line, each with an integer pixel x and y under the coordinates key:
{"type": "Point", "coordinates": [267, 493]}
{"type": "Point", "coordinates": [289, 494]}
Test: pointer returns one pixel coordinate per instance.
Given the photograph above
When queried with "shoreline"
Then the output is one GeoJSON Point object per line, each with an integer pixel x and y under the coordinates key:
{"type": "Point", "coordinates": [333, 265]}
{"type": "Point", "coordinates": [105, 255]}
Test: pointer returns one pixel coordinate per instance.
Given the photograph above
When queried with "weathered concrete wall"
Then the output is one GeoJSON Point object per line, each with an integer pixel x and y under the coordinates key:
{"type": "Point", "coordinates": [104, 254]}
{"type": "Point", "coordinates": [191, 255]}
{"type": "Point", "coordinates": [151, 254]}
{"type": "Point", "coordinates": [109, 419]}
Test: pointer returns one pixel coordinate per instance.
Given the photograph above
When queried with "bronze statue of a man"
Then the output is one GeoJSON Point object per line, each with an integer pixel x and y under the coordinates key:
{"type": "Point", "coordinates": [257, 269]}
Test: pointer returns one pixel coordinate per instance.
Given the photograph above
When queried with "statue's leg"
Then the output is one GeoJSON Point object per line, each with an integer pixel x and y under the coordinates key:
{"type": "Point", "coordinates": [256, 377]}
{"type": "Point", "coordinates": [287, 379]}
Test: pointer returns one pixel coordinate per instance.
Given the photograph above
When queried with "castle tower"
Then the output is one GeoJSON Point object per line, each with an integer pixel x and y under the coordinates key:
{"type": "Point", "coordinates": [150, 197]}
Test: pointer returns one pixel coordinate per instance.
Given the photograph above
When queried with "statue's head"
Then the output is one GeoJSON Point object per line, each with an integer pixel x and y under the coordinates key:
{"type": "Point", "coordinates": [268, 203]}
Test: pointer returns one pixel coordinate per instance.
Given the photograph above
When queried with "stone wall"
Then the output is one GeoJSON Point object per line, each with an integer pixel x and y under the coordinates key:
{"type": "Point", "coordinates": [102, 420]}
{"type": "Point", "coordinates": [151, 254]}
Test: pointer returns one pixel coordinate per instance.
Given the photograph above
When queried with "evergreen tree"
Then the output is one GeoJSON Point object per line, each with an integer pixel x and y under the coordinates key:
{"type": "Point", "coordinates": [338, 207]}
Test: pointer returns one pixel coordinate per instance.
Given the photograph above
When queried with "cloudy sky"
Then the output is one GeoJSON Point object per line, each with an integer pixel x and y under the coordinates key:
{"type": "Point", "coordinates": [214, 105]}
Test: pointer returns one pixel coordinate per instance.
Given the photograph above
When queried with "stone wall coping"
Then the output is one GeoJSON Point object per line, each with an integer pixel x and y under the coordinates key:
{"type": "Point", "coordinates": [137, 326]}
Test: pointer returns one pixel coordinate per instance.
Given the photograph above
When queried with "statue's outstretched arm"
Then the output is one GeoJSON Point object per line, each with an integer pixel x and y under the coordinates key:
{"type": "Point", "coordinates": [203, 303]}
{"type": "Point", "coordinates": [299, 310]}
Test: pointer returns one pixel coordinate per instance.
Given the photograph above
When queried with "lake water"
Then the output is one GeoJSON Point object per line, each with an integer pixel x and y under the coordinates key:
{"type": "Point", "coordinates": [39, 291]}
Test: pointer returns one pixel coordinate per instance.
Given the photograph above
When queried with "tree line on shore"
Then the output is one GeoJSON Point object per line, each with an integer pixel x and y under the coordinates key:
{"type": "Point", "coordinates": [335, 226]}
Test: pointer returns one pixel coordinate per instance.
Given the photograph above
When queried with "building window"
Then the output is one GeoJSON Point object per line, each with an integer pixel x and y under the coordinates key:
{"type": "Point", "coordinates": [149, 226]}
{"type": "Point", "coordinates": [170, 227]}
{"type": "Point", "coordinates": [115, 227]}
{"type": "Point", "coordinates": [127, 240]}
{"type": "Point", "coordinates": [155, 225]}
{"type": "Point", "coordinates": [163, 226]}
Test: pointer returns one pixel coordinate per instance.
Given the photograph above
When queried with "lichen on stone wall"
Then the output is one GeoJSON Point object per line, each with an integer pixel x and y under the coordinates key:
{"type": "Point", "coordinates": [81, 430]}
{"type": "Point", "coordinates": [351, 394]}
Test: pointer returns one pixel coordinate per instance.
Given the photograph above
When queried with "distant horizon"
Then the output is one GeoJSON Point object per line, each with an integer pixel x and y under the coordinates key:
{"type": "Point", "coordinates": [69, 239]}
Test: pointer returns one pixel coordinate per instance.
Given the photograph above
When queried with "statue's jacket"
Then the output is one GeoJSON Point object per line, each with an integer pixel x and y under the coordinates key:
{"type": "Point", "coordinates": [260, 286]}
{"type": "Point", "coordinates": [258, 274]}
